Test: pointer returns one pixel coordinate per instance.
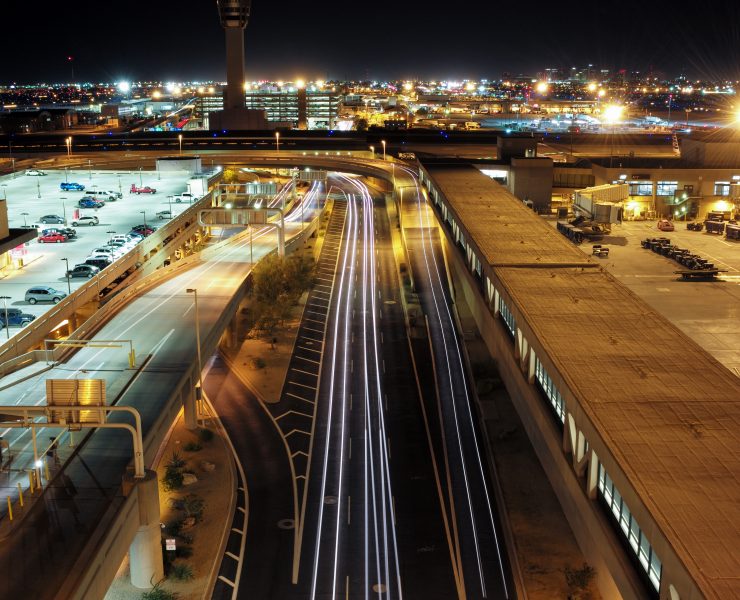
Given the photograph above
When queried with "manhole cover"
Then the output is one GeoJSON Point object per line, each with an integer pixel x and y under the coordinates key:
{"type": "Point", "coordinates": [286, 524]}
{"type": "Point", "coordinates": [379, 588]}
{"type": "Point", "coordinates": [330, 499]}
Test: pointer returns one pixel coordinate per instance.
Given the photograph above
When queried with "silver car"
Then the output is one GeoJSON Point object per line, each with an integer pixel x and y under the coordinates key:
{"type": "Point", "coordinates": [43, 293]}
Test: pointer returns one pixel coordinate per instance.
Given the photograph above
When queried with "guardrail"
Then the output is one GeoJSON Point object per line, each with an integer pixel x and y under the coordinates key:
{"type": "Point", "coordinates": [35, 332]}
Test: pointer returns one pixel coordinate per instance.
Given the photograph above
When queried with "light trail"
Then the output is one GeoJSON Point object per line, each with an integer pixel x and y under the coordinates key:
{"type": "Point", "coordinates": [428, 252]}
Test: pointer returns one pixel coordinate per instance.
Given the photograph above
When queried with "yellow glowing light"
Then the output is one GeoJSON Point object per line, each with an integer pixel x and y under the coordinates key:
{"type": "Point", "coordinates": [542, 87]}
{"type": "Point", "coordinates": [246, 86]}
{"type": "Point", "coordinates": [320, 83]}
{"type": "Point", "coordinates": [300, 84]}
{"type": "Point", "coordinates": [156, 94]}
{"type": "Point", "coordinates": [280, 83]}
{"type": "Point", "coordinates": [602, 93]}
{"type": "Point", "coordinates": [211, 90]}
{"type": "Point", "coordinates": [408, 86]}
{"type": "Point", "coordinates": [722, 205]}
{"type": "Point", "coordinates": [201, 89]}
{"type": "Point", "coordinates": [591, 87]}
{"type": "Point", "coordinates": [470, 86]}
{"type": "Point", "coordinates": [613, 113]}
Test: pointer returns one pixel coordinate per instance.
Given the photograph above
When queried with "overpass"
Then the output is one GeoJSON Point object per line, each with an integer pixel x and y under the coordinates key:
{"type": "Point", "coordinates": [633, 422]}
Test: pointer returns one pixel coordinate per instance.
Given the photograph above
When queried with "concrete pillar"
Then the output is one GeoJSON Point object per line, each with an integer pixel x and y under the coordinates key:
{"type": "Point", "coordinates": [188, 402]}
{"type": "Point", "coordinates": [593, 475]}
{"type": "Point", "coordinates": [145, 552]}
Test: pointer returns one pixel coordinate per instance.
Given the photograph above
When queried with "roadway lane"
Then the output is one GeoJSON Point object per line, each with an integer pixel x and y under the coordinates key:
{"type": "Point", "coordinates": [481, 557]}
{"type": "Point", "coordinates": [266, 565]}
{"type": "Point", "coordinates": [361, 538]}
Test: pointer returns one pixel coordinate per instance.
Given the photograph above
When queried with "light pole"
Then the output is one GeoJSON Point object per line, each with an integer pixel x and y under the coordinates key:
{"type": "Point", "coordinates": [24, 215]}
{"type": "Point", "coordinates": [66, 174]}
{"type": "Point", "coordinates": [383, 142]}
{"type": "Point", "coordinates": [68, 141]}
{"type": "Point", "coordinates": [69, 286]}
{"type": "Point", "coordinates": [5, 305]}
{"type": "Point", "coordinates": [64, 211]}
{"type": "Point", "coordinates": [372, 149]}
{"type": "Point", "coordinates": [120, 190]}
{"type": "Point", "coordinates": [143, 212]}
{"type": "Point", "coordinates": [89, 168]}
{"type": "Point", "coordinates": [687, 111]}
{"type": "Point", "coordinates": [38, 187]}
{"type": "Point", "coordinates": [141, 182]}
{"type": "Point", "coordinates": [169, 199]}
{"type": "Point", "coordinates": [179, 138]}
{"type": "Point", "coordinates": [5, 191]}
{"type": "Point", "coordinates": [194, 291]}
{"type": "Point", "coordinates": [277, 141]}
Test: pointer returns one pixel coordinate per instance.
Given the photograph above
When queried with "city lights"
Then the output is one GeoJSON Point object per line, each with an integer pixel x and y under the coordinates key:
{"type": "Point", "coordinates": [542, 87]}
{"type": "Point", "coordinates": [613, 113]}
{"type": "Point", "coordinates": [124, 87]}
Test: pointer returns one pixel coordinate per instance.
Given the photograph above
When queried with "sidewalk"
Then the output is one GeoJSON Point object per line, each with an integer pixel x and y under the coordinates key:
{"type": "Point", "coordinates": [213, 468]}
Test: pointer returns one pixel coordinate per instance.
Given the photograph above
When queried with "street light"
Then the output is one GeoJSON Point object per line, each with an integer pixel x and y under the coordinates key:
{"type": "Point", "coordinates": [7, 324]}
{"type": "Point", "coordinates": [179, 138]}
{"type": "Point", "coordinates": [68, 141]}
{"type": "Point", "coordinates": [143, 212]}
{"type": "Point", "coordinates": [383, 142]}
{"type": "Point", "coordinates": [372, 149]}
{"type": "Point", "coordinates": [194, 291]}
{"type": "Point", "coordinates": [24, 215]}
{"type": "Point", "coordinates": [89, 168]}
{"type": "Point", "coordinates": [69, 286]}
{"type": "Point", "coordinates": [277, 141]}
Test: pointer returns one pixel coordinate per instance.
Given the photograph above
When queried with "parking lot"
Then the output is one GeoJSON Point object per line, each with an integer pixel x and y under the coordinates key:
{"type": "Point", "coordinates": [707, 311]}
{"type": "Point", "coordinates": [31, 197]}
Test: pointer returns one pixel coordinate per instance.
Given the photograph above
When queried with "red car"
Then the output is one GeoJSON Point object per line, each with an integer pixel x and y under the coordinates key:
{"type": "Point", "coordinates": [142, 190]}
{"type": "Point", "coordinates": [50, 238]}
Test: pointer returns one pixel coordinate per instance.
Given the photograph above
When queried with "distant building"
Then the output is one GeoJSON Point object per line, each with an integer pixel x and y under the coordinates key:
{"type": "Point", "coordinates": [31, 121]}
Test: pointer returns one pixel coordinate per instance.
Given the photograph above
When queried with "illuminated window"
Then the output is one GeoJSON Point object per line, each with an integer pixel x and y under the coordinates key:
{"type": "Point", "coordinates": [507, 316]}
{"type": "Point", "coordinates": [721, 188]}
{"type": "Point", "coordinates": [548, 387]}
{"type": "Point", "coordinates": [666, 188]}
{"type": "Point", "coordinates": [641, 188]}
{"type": "Point", "coordinates": [627, 525]}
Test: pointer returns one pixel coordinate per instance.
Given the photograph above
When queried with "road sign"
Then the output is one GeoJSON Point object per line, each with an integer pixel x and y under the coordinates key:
{"type": "Point", "coordinates": [68, 392]}
{"type": "Point", "coordinates": [170, 544]}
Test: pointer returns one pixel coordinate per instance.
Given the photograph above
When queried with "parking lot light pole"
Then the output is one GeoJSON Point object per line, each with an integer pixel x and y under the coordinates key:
{"type": "Point", "coordinates": [194, 291]}
{"type": "Point", "coordinates": [277, 141]}
{"type": "Point", "coordinates": [24, 215]}
{"type": "Point", "coordinates": [120, 190]}
{"type": "Point", "coordinates": [69, 286]}
{"type": "Point", "coordinates": [141, 183]}
{"type": "Point", "coordinates": [89, 168]}
{"type": "Point", "coordinates": [38, 187]}
{"type": "Point", "coordinates": [383, 142]}
{"type": "Point", "coordinates": [179, 138]}
{"type": "Point", "coordinates": [143, 212]}
{"type": "Point", "coordinates": [5, 306]}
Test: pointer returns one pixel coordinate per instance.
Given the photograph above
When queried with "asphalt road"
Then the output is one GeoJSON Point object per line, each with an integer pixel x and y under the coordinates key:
{"type": "Point", "coordinates": [482, 569]}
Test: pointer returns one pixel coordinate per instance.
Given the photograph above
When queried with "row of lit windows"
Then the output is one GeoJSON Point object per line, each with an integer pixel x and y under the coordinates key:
{"type": "Point", "coordinates": [507, 316]}
{"type": "Point", "coordinates": [669, 188]}
{"type": "Point", "coordinates": [631, 530]}
{"type": "Point", "coordinates": [550, 390]}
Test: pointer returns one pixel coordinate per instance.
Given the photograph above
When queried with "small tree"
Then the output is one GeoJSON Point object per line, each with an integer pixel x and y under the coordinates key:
{"type": "Point", "coordinates": [361, 124]}
{"type": "Point", "coordinates": [230, 176]}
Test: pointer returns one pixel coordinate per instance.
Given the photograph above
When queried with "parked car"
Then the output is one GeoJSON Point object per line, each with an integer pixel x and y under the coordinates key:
{"type": "Point", "coordinates": [143, 229]}
{"type": "Point", "coordinates": [125, 238]}
{"type": "Point", "coordinates": [105, 194]}
{"type": "Point", "coordinates": [68, 232]}
{"type": "Point", "coordinates": [52, 238]}
{"type": "Point", "coordinates": [83, 270]}
{"type": "Point", "coordinates": [71, 186]}
{"type": "Point", "coordinates": [97, 255]}
{"type": "Point", "coordinates": [164, 214]}
{"type": "Point", "coordinates": [142, 190]}
{"type": "Point", "coordinates": [90, 203]}
{"type": "Point", "coordinates": [101, 262]}
{"type": "Point", "coordinates": [44, 293]}
{"type": "Point", "coordinates": [51, 220]}
{"type": "Point", "coordinates": [665, 225]}
{"type": "Point", "coordinates": [85, 220]}
{"type": "Point", "coordinates": [107, 250]}
{"type": "Point", "coordinates": [15, 317]}
{"type": "Point", "coordinates": [35, 172]}
{"type": "Point", "coordinates": [185, 197]}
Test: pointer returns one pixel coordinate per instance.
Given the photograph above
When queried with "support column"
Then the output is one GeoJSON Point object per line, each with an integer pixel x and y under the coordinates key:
{"type": "Point", "coordinates": [145, 551]}
{"type": "Point", "coordinates": [593, 475]}
{"type": "Point", "coordinates": [188, 402]}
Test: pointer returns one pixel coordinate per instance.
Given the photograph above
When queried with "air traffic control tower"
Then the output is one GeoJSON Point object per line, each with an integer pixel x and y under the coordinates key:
{"type": "Point", "coordinates": [234, 15]}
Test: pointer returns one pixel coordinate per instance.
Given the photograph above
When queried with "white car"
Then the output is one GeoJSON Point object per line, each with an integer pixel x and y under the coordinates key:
{"type": "Point", "coordinates": [85, 221]}
{"type": "Point", "coordinates": [105, 194]}
{"type": "Point", "coordinates": [35, 172]}
{"type": "Point", "coordinates": [185, 197]}
{"type": "Point", "coordinates": [103, 255]}
{"type": "Point", "coordinates": [112, 252]}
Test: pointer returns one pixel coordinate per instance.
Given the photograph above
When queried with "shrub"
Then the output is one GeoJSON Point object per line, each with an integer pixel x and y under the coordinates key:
{"type": "Point", "coordinates": [194, 506]}
{"type": "Point", "coordinates": [174, 527]}
{"type": "Point", "coordinates": [158, 593]}
{"type": "Point", "coordinates": [192, 447]}
{"type": "Point", "coordinates": [181, 572]}
{"type": "Point", "coordinates": [578, 579]}
{"type": "Point", "coordinates": [176, 461]}
{"type": "Point", "coordinates": [205, 435]}
{"type": "Point", "coordinates": [172, 479]}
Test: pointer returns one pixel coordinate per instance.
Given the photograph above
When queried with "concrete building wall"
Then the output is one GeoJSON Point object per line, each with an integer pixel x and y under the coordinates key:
{"type": "Point", "coordinates": [531, 179]}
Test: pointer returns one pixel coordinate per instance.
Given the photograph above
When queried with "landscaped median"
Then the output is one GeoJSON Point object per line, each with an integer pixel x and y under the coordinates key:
{"type": "Point", "coordinates": [196, 481]}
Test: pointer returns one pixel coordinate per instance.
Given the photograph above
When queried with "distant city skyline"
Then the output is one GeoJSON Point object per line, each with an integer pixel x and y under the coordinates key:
{"type": "Point", "coordinates": [412, 40]}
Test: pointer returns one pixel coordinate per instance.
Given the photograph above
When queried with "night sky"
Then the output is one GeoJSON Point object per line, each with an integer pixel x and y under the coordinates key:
{"type": "Point", "coordinates": [162, 40]}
